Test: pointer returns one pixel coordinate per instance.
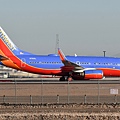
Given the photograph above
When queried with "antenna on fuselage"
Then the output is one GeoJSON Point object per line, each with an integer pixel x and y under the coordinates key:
{"type": "Point", "coordinates": [104, 53]}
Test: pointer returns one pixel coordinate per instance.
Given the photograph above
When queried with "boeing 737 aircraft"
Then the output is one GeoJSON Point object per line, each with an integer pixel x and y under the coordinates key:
{"type": "Point", "coordinates": [68, 67]}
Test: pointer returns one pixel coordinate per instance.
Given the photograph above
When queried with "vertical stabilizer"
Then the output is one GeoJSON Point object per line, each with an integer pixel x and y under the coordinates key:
{"type": "Point", "coordinates": [7, 47]}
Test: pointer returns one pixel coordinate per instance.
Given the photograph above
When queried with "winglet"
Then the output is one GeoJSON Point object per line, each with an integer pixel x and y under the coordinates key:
{"type": "Point", "coordinates": [61, 54]}
{"type": "Point", "coordinates": [67, 62]}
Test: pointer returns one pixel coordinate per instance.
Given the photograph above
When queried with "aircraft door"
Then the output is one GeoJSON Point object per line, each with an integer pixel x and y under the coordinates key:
{"type": "Point", "coordinates": [23, 63]}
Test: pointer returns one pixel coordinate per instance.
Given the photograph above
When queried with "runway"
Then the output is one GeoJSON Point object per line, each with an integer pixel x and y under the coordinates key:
{"type": "Point", "coordinates": [56, 81]}
{"type": "Point", "coordinates": [67, 82]}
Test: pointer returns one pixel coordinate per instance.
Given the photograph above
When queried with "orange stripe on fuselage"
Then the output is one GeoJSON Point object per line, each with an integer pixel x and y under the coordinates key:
{"type": "Point", "coordinates": [5, 51]}
{"type": "Point", "coordinates": [9, 62]}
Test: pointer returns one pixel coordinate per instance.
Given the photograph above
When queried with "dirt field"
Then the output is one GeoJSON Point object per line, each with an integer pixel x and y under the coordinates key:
{"type": "Point", "coordinates": [60, 112]}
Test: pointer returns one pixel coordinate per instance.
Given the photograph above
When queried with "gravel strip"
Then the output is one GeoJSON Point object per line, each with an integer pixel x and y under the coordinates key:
{"type": "Point", "coordinates": [60, 116]}
{"type": "Point", "coordinates": [59, 112]}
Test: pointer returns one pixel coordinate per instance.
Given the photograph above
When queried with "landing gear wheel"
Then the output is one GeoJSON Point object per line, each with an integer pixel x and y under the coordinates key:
{"type": "Point", "coordinates": [62, 78]}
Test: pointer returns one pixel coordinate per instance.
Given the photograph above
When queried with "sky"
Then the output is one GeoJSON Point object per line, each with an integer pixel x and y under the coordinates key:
{"type": "Point", "coordinates": [85, 27]}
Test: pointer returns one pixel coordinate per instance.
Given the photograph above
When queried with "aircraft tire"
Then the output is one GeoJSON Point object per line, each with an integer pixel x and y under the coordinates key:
{"type": "Point", "coordinates": [62, 78]}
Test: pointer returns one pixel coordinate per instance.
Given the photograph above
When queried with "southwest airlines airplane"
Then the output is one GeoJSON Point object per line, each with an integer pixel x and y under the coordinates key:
{"type": "Point", "coordinates": [68, 67]}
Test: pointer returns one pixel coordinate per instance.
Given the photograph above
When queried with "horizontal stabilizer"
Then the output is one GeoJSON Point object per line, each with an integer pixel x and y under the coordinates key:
{"type": "Point", "coordinates": [3, 58]}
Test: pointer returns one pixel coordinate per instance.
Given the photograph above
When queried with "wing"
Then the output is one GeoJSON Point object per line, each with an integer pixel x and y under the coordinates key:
{"type": "Point", "coordinates": [68, 65]}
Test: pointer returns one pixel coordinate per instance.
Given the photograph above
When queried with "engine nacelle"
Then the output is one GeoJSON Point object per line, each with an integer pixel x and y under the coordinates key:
{"type": "Point", "coordinates": [93, 74]}
{"type": "Point", "coordinates": [88, 74]}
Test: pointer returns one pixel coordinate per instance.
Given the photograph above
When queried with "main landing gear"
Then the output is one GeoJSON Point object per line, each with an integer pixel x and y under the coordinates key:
{"type": "Point", "coordinates": [66, 78]}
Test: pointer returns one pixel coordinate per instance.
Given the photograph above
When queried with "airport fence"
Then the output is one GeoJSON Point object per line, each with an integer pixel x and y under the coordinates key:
{"type": "Point", "coordinates": [59, 99]}
{"type": "Point", "coordinates": [43, 93]}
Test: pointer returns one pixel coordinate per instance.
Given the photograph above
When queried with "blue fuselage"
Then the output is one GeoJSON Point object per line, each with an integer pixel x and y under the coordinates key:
{"type": "Point", "coordinates": [54, 62]}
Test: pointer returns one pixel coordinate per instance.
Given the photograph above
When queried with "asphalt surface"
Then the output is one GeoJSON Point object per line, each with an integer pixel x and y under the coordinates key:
{"type": "Point", "coordinates": [56, 81]}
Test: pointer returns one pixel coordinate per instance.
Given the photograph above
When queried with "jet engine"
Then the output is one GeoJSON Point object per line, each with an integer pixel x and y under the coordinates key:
{"type": "Point", "coordinates": [88, 74]}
